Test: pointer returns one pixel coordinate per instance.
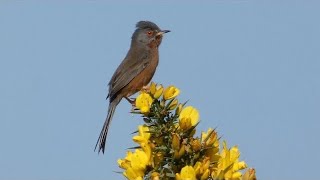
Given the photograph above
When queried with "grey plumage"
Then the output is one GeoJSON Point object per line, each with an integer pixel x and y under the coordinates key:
{"type": "Point", "coordinates": [146, 25]}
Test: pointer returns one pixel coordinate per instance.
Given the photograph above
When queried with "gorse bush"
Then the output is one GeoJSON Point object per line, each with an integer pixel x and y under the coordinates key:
{"type": "Point", "coordinates": [167, 146]}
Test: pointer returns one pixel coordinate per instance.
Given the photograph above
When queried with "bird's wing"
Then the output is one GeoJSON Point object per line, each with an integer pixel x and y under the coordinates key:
{"type": "Point", "coordinates": [127, 70]}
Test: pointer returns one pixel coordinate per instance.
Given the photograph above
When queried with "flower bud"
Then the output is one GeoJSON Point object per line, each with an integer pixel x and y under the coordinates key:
{"type": "Point", "coordinates": [170, 92]}
{"type": "Point", "coordinates": [158, 92]}
{"type": "Point", "coordinates": [179, 109]}
{"type": "Point", "coordinates": [182, 150]}
{"type": "Point", "coordinates": [197, 167]}
{"type": "Point", "coordinates": [205, 175]}
{"type": "Point", "coordinates": [250, 174]}
{"type": "Point", "coordinates": [155, 176]}
{"type": "Point", "coordinates": [162, 103]}
{"type": "Point", "coordinates": [173, 104]}
{"type": "Point", "coordinates": [175, 142]}
{"type": "Point", "coordinates": [196, 145]}
{"type": "Point", "coordinates": [153, 88]}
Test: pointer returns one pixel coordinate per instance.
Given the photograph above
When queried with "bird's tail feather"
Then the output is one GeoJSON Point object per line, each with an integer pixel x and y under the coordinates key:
{"type": "Point", "coordinates": [104, 132]}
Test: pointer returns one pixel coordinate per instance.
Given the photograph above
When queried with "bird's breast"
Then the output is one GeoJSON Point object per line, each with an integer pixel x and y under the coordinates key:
{"type": "Point", "coordinates": [145, 76]}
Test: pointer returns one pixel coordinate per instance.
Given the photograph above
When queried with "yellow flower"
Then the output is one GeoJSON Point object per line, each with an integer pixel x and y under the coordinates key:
{"type": "Point", "coordinates": [187, 173]}
{"type": "Point", "coordinates": [169, 148]}
{"type": "Point", "coordinates": [147, 149]}
{"type": "Point", "coordinates": [228, 164]}
{"type": "Point", "coordinates": [143, 102]}
{"type": "Point", "coordinates": [155, 90]}
{"type": "Point", "coordinates": [189, 117]}
{"type": "Point", "coordinates": [170, 92]}
{"type": "Point", "coordinates": [132, 174]}
{"type": "Point", "coordinates": [143, 139]}
{"type": "Point", "coordinates": [143, 136]}
{"type": "Point", "coordinates": [134, 164]}
{"type": "Point", "coordinates": [123, 164]}
{"type": "Point", "coordinates": [139, 160]}
{"type": "Point", "coordinates": [158, 92]}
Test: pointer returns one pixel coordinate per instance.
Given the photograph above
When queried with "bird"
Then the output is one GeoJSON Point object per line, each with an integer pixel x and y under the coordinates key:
{"type": "Point", "coordinates": [134, 72]}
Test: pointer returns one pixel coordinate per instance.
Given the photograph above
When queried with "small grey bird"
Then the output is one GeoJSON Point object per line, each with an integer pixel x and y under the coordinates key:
{"type": "Point", "coordinates": [135, 71]}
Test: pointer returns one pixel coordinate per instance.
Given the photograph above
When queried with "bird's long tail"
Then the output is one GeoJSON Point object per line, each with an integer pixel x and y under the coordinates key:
{"type": "Point", "coordinates": [104, 132]}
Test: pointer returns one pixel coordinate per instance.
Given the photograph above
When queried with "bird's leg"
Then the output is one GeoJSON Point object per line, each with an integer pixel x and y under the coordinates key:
{"type": "Point", "coordinates": [131, 101]}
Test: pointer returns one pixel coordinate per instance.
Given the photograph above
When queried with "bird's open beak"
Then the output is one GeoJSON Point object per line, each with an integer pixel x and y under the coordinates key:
{"type": "Point", "coordinates": [162, 32]}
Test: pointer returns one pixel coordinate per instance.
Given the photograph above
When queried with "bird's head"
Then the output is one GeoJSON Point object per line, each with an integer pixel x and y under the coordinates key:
{"type": "Point", "coordinates": [148, 34]}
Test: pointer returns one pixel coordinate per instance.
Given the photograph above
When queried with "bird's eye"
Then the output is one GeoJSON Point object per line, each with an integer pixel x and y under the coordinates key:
{"type": "Point", "coordinates": [149, 33]}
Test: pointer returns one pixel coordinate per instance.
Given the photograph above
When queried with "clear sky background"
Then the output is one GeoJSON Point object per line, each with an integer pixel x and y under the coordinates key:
{"type": "Point", "coordinates": [252, 68]}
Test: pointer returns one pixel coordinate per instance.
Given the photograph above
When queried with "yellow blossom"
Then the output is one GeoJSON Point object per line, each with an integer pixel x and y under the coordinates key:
{"type": "Point", "coordinates": [147, 149]}
{"type": "Point", "coordinates": [139, 160]}
{"type": "Point", "coordinates": [143, 139]}
{"type": "Point", "coordinates": [156, 90]}
{"type": "Point", "coordinates": [228, 164]}
{"type": "Point", "coordinates": [134, 164]}
{"type": "Point", "coordinates": [168, 145]}
{"type": "Point", "coordinates": [187, 173]}
{"type": "Point", "coordinates": [143, 136]}
{"type": "Point", "coordinates": [189, 117]}
{"type": "Point", "coordinates": [126, 162]}
{"type": "Point", "coordinates": [143, 102]}
{"type": "Point", "coordinates": [170, 92]}
{"type": "Point", "coordinates": [132, 174]}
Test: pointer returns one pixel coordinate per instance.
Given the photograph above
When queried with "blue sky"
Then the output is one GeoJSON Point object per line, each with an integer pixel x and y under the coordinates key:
{"type": "Point", "coordinates": [251, 68]}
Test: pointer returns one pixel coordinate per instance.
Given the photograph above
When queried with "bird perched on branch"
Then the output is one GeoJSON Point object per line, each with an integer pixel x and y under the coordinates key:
{"type": "Point", "coordinates": [135, 71]}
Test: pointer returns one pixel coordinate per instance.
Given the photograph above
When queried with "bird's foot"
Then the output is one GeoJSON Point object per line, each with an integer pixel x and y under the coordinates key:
{"type": "Point", "coordinates": [132, 102]}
